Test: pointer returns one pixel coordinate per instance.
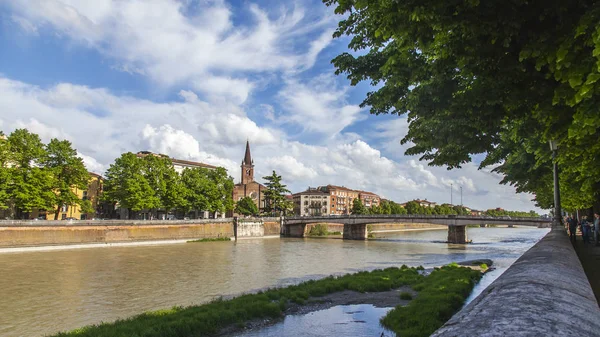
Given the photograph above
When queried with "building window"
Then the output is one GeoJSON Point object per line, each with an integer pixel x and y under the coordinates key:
{"type": "Point", "coordinates": [63, 209]}
{"type": "Point", "coordinates": [85, 196]}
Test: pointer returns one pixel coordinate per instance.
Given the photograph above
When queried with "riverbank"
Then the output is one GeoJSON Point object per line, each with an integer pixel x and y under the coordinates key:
{"type": "Point", "coordinates": [228, 315]}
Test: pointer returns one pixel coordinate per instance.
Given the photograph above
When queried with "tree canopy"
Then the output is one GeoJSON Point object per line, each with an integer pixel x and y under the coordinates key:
{"type": "Point", "coordinates": [246, 206]}
{"type": "Point", "coordinates": [151, 183]}
{"type": "Point", "coordinates": [358, 207]}
{"type": "Point", "coordinates": [275, 194]}
{"type": "Point", "coordinates": [491, 78]}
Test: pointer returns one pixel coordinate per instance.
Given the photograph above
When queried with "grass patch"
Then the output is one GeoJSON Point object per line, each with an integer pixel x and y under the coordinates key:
{"type": "Point", "coordinates": [208, 319]}
{"type": "Point", "coordinates": [211, 239]}
{"type": "Point", "coordinates": [441, 294]}
{"type": "Point", "coordinates": [321, 230]}
{"type": "Point", "coordinates": [405, 296]}
{"type": "Point", "coordinates": [484, 266]}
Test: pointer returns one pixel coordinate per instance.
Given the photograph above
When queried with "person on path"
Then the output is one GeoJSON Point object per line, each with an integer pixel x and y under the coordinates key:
{"type": "Point", "coordinates": [585, 230]}
{"type": "Point", "coordinates": [597, 228]}
{"type": "Point", "coordinates": [572, 227]}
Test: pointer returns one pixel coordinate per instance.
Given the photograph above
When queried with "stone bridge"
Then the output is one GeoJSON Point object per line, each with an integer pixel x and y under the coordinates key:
{"type": "Point", "coordinates": [355, 226]}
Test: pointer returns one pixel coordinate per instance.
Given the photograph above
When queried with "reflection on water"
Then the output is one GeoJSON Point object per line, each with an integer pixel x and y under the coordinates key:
{"type": "Point", "coordinates": [343, 320]}
{"type": "Point", "coordinates": [44, 292]}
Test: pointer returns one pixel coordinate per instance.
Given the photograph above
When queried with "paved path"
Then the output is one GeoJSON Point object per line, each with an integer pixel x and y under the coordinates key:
{"type": "Point", "coordinates": [589, 255]}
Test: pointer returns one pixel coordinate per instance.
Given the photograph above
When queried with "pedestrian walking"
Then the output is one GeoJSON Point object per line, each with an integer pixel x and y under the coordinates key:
{"type": "Point", "coordinates": [572, 227]}
{"type": "Point", "coordinates": [585, 230]}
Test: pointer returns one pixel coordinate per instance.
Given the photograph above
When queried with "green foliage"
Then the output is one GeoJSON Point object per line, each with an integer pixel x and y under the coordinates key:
{"type": "Point", "coordinates": [246, 206]}
{"type": "Point", "coordinates": [209, 318]}
{"type": "Point", "coordinates": [211, 239]}
{"type": "Point", "coordinates": [66, 171]}
{"type": "Point", "coordinates": [29, 184]}
{"type": "Point", "coordinates": [502, 212]}
{"type": "Point", "coordinates": [86, 207]}
{"type": "Point", "coordinates": [358, 207]}
{"type": "Point", "coordinates": [397, 209]}
{"type": "Point", "coordinates": [484, 266]}
{"type": "Point", "coordinates": [493, 77]}
{"type": "Point", "coordinates": [275, 195]}
{"type": "Point", "coordinates": [321, 230]}
{"type": "Point", "coordinates": [127, 185]}
{"type": "Point", "coordinates": [441, 294]}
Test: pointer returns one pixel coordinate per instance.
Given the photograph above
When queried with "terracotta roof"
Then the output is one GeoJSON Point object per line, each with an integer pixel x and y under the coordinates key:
{"type": "Point", "coordinates": [176, 161]}
{"type": "Point", "coordinates": [192, 163]}
{"type": "Point", "coordinates": [311, 191]}
{"type": "Point", "coordinates": [94, 174]}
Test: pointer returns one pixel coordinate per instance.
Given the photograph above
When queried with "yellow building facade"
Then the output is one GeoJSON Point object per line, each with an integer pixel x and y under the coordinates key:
{"type": "Point", "coordinates": [92, 193]}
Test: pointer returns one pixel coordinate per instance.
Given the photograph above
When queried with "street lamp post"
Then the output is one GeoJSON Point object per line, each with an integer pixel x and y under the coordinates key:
{"type": "Point", "coordinates": [557, 223]}
{"type": "Point", "coordinates": [451, 203]}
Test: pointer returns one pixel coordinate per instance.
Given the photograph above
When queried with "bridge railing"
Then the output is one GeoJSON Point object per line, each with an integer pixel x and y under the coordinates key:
{"type": "Point", "coordinates": [421, 216]}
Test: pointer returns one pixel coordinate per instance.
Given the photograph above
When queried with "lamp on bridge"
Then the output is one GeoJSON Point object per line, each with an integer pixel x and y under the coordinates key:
{"type": "Point", "coordinates": [557, 223]}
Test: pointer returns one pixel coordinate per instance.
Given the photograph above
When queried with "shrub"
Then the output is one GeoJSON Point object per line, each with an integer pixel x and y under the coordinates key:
{"type": "Point", "coordinates": [405, 296]}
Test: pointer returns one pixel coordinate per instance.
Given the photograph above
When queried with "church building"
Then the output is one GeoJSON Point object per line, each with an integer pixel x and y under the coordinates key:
{"type": "Point", "coordinates": [248, 187]}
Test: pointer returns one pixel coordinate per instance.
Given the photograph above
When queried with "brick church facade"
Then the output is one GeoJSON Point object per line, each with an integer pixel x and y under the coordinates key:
{"type": "Point", "coordinates": [248, 187]}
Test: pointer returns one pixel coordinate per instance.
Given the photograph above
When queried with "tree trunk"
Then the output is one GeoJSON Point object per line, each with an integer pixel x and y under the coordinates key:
{"type": "Point", "coordinates": [56, 213]}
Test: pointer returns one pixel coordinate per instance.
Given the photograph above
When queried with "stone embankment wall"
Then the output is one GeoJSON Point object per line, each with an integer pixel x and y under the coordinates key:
{"type": "Point", "coordinates": [272, 226]}
{"type": "Point", "coordinates": [544, 293]}
{"type": "Point", "coordinates": [43, 233]}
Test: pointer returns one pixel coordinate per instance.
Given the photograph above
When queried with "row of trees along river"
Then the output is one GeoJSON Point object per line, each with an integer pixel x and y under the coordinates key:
{"type": "Point", "coordinates": [38, 176]}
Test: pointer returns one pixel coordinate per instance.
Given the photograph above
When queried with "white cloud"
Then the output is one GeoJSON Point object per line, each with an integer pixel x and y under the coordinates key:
{"type": "Point", "coordinates": [319, 106]}
{"type": "Point", "coordinates": [174, 43]}
{"type": "Point", "coordinates": [191, 128]}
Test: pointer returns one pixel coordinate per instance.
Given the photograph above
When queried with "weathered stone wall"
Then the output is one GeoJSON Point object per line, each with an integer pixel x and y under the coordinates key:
{"type": "Point", "coordinates": [250, 228]}
{"type": "Point", "coordinates": [544, 293]}
{"type": "Point", "coordinates": [41, 233]}
{"type": "Point", "coordinates": [272, 226]}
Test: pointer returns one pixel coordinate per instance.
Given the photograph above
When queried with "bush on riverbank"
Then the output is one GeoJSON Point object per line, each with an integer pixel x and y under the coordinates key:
{"type": "Point", "coordinates": [441, 294]}
{"type": "Point", "coordinates": [211, 239]}
{"type": "Point", "coordinates": [210, 318]}
{"type": "Point", "coordinates": [321, 230]}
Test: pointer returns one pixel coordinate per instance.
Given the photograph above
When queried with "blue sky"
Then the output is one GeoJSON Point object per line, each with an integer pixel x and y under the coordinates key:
{"type": "Point", "coordinates": [195, 78]}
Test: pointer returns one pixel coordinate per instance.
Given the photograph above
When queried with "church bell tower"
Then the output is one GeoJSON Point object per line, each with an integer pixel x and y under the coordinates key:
{"type": "Point", "coordinates": [247, 166]}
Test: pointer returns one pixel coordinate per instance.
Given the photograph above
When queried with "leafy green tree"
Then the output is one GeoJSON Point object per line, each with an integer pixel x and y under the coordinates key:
{"type": "Point", "coordinates": [386, 207]}
{"type": "Point", "coordinates": [127, 185]}
{"type": "Point", "coordinates": [246, 206]}
{"type": "Point", "coordinates": [397, 209]}
{"type": "Point", "coordinates": [30, 184]}
{"type": "Point", "coordinates": [413, 207]}
{"type": "Point", "coordinates": [275, 194]}
{"type": "Point", "coordinates": [196, 186]}
{"type": "Point", "coordinates": [164, 182]}
{"type": "Point", "coordinates": [86, 207]}
{"type": "Point", "coordinates": [486, 77]}
{"type": "Point", "coordinates": [5, 172]}
{"type": "Point", "coordinates": [358, 208]}
{"type": "Point", "coordinates": [67, 172]}
{"type": "Point", "coordinates": [221, 190]}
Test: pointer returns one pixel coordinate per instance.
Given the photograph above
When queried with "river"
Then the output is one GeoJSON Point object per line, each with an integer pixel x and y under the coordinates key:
{"type": "Point", "coordinates": [44, 292]}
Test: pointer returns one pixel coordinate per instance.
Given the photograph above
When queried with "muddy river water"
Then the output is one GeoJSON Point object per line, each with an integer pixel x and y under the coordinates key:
{"type": "Point", "coordinates": [44, 292]}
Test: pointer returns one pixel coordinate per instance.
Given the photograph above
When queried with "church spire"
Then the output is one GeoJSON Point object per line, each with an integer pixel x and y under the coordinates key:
{"type": "Point", "coordinates": [247, 156]}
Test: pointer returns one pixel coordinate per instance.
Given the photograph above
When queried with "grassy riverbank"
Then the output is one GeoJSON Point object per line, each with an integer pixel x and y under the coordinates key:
{"type": "Point", "coordinates": [440, 294]}
{"type": "Point", "coordinates": [211, 239]}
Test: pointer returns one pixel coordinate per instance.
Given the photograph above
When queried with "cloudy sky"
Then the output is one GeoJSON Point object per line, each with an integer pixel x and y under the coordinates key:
{"type": "Point", "coordinates": [195, 78]}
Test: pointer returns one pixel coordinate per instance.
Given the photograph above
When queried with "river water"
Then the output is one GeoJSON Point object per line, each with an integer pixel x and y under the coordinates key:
{"type": "Point", "coordinates": [45, 292]}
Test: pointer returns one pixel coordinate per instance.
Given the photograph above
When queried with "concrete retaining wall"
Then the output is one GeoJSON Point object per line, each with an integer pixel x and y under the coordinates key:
{"type": "Point", "coordinates": [544, 293]}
